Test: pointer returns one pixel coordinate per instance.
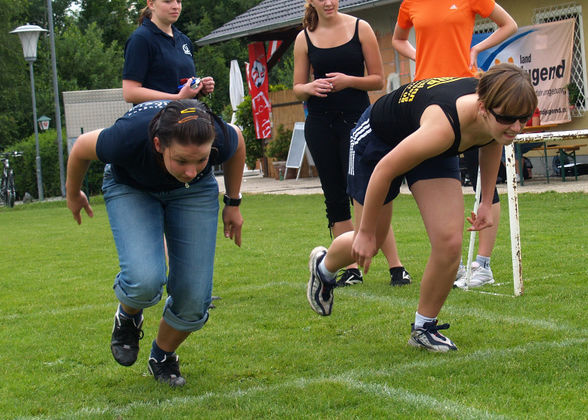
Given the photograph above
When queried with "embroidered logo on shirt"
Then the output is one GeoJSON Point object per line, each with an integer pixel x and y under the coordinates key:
{"type": "Point", "coordinates": [186, 49]}
{"type": "Point", "coordinates": [453, 7]}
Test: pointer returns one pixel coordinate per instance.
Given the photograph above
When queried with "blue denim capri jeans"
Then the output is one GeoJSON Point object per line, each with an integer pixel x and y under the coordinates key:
{"type": "Point", "coordinates": [189, 218]}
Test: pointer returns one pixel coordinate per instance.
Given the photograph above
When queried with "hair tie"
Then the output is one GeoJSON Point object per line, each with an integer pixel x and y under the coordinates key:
{"type": "Point", "coordinates": [188, 118]}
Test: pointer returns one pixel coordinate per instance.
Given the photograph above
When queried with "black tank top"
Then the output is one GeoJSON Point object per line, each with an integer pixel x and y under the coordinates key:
{"type": "Point", "coordinates": [348, 59]}
{"type": "Point", "coordinates": [398, 114]}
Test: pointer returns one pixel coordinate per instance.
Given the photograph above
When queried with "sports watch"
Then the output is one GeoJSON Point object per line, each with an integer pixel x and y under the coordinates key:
{"type": "Point", "coordinates": [232, 201]}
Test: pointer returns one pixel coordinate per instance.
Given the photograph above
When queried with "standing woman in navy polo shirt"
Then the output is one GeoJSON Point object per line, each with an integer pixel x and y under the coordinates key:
{"type": "Point", "coordinates": [159, 61]}
{"type": "Point", "coordinates": [160, 181]}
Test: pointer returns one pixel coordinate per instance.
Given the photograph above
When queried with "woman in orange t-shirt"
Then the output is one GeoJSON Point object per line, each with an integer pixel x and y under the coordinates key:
{"type": "Point", "coordinates": [443, 33]}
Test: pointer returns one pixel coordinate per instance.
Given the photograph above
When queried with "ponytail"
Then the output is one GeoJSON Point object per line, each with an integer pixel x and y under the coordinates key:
{"type": "Point", "coordinates": [145, 13]}
{"type": "Point", "coordinates": [310, 20]}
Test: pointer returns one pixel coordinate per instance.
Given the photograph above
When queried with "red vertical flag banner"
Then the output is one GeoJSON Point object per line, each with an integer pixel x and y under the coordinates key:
{"type": "Point", "coordinates": [257, 75]}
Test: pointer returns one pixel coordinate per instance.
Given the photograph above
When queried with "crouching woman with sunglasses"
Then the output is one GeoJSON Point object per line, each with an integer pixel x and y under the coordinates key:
{"type": "Point", "coordinates": [160, 181]}
{"type": "Point", "coordinates": [432, 117]}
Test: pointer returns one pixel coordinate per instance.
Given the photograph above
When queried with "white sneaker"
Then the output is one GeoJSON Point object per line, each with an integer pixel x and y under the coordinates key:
{"type": "Point", "coordinates": [480, 275]}
{"type": "Point", "coordinates": [460, 278]}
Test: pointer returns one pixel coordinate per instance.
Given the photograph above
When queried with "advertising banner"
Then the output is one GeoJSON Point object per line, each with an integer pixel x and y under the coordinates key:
{"type": "Point", "coordinates": [257, 78]}
{"type": "Point", "coordinates": [545, 51]}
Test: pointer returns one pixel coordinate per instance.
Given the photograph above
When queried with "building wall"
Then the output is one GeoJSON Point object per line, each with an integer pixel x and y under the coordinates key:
{"type": "Point", "coordinates": [383, 18]}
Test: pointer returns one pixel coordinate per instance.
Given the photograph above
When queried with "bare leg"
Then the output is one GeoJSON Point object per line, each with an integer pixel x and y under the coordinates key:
{"type": "Point", "coordinates": [388, 246]}
{"type": "Point", "coordinates": [488, 236]}
{"type": "Point", "coordinates": [341, 227]}
{"type": "Point", "coordinates": [441, 205]}
{"type": "Point", "coordinates": [129, 310]}
{"type": "Point", "coordinates": [169, 339]}
{"type": "Point", "coordinates": [339, 254]}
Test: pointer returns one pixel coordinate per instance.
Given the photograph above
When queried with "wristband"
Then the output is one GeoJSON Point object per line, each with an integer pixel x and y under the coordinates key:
{"type": "Point", "coordinates": [232, 201]}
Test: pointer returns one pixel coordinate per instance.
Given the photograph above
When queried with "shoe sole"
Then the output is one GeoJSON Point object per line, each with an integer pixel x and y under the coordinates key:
{"type": "Point", "coordinates": [319, 309]}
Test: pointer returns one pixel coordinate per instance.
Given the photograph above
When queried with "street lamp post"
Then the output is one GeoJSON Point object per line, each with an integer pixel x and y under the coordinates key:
{"type": "Point", "coordinates": [56, 98]}
{"type": "Point", "coordinates": [29, 36]}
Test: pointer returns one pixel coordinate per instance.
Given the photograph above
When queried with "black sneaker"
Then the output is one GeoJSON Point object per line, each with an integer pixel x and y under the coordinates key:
{"type": "Point", "coordinates": [319, 293]}
{"type": "Point", "coordinates": [126, 334]}
{"type": "Point", "coordinates": [399, 276]}
{"type": "Point", "coordinates": [167, 371]}
{"type": "Point", "coordinates": [428, 337]}
{"type": "Point", "coordinates": [348, 277]}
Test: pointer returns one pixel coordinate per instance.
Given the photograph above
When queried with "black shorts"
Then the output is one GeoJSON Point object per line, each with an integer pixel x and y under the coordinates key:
{"type": "Point", "coordinates": [367, 149]}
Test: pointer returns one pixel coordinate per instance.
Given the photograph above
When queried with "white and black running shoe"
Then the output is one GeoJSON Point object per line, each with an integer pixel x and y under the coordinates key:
{"type": "Point", "coordinates": [349, 277]}
{"type": "Point", "coordinates": [167, 371]}
{"type": "Point", "coordinates": [428, 337]}
{"type": "Point", "coordinates": [318, 292]}
{"type": "Point", "coordinates": [124, 343]}
{"type": "Point", "coordinates": [399, 276]}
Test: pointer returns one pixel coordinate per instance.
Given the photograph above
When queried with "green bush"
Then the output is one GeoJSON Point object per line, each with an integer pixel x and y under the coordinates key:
{"type": "Point", "coordinates": [25, 167]}
{"type": "Point", "coordinates": [244, 119]}
{"type": "Point", "coordinates": [279, 147]}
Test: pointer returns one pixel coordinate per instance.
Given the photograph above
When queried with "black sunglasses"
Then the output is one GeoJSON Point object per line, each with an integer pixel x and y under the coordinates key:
{"type": "Point", "coordinates": [510, 119]}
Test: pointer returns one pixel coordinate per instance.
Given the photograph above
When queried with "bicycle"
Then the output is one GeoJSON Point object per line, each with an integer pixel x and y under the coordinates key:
{"type": "Point", "coordinates": [7, 188]}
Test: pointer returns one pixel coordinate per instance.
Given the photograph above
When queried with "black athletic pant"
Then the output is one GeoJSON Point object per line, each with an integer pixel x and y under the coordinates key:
{"type": "Point", "coordinates": [327, 136]}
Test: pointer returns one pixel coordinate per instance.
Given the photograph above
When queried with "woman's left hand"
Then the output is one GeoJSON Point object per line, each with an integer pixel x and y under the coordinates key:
{"type": "Point", "coordinates": [233, 222]}
{"type": "Point", "coordinates": [207, 85]}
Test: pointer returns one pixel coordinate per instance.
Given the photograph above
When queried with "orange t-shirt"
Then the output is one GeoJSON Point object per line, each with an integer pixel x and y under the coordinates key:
{"type": "Point", "coordinates": [443, 30]}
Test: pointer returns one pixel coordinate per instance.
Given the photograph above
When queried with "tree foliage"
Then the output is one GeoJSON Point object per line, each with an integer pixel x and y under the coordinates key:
{"type": "Point", "coordinates": [89, 39]}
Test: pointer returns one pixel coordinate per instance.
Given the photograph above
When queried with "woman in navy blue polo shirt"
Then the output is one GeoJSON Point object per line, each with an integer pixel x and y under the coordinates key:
{"type": "Point", "coordinates": [160, 181]}
{"type": "Point", "coordinates": [159, 61]}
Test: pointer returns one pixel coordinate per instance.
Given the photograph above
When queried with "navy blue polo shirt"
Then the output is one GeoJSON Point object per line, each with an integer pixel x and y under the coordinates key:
{"type": "Point", "coordinates": [157, 60]}
{"type": "Point", "coordinates": [132, 155]}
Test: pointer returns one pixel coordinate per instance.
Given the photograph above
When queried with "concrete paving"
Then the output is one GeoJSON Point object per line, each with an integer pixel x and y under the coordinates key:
{"type": "Point", "coordinates": [256, 184]}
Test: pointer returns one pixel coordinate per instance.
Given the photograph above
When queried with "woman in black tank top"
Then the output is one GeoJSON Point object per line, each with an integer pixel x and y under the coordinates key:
{"type": "Point", "coordinates": [342, 53]}
{"type": "Point", "coordinates": [436, 116]}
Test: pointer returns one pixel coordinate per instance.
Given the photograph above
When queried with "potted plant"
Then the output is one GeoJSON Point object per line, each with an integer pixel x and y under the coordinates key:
{"type": "Point", "coordinates": [278, 149]}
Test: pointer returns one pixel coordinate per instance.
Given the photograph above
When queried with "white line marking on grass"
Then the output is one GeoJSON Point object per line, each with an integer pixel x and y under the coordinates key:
{"type": "Point", "coordinates": [469, 311]}
{"type": "Point", "coordinates": [60, 311]}
{"type": "Point", "coordinates": [443, 406]}
{"type": "Point", "coordinates": [354, 378]}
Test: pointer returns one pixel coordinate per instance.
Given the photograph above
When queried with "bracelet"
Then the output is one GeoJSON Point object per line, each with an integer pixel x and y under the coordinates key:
{"type": "Point", "coordinates": [232, 201]}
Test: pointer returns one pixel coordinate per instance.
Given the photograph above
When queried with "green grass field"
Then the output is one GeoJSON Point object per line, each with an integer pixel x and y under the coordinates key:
{"type": "Point", "coordinates": [265, 354]}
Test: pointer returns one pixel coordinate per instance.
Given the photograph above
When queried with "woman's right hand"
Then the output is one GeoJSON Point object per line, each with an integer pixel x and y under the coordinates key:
{"type": "Point", "coordinates": [363, 249]}
{"type": "Point", "coordinates": [77, 202]}
{"type": "Point", "coordinates": [320, 88]}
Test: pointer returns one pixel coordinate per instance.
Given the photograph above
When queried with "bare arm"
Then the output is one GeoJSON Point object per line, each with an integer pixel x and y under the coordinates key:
{"type": "Point", "coordinates": [233, 175]}
{"type": "Point", "coordinates": [401, 44]}
{"type": "Point", "coordinates": [82, 153]}
{"type": "Point", "coordinates": [374, 79]}
{"type": "Point", "coordinates": [303, 89]}
{"type": "Point", "coordinates": [506, 27]}
{"type": "Point", "coordinates": [489, 163]}
{"type": "Point", "coordinates": [433, 137]}
{"type": "Point", "coordinates": [135, 93]}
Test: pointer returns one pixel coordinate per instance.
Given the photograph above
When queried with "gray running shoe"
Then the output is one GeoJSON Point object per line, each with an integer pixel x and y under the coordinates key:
{"type": "Point", "coordinates": [318, 292]}
{"type": "Point", "coordinates": [480, 275]}
{"type": "Point", "coordinates": [428, 337]}
{"type": "Point", "coordinates": [460, 278]}
{"type": "Point", "coordinates": [167, 371]}
{"type": "Point", "coordinates": [349, 276]}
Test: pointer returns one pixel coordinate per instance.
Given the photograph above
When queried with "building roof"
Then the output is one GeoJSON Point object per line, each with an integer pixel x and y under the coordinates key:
{"type": "Point", "coordinates": [274, 15]}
